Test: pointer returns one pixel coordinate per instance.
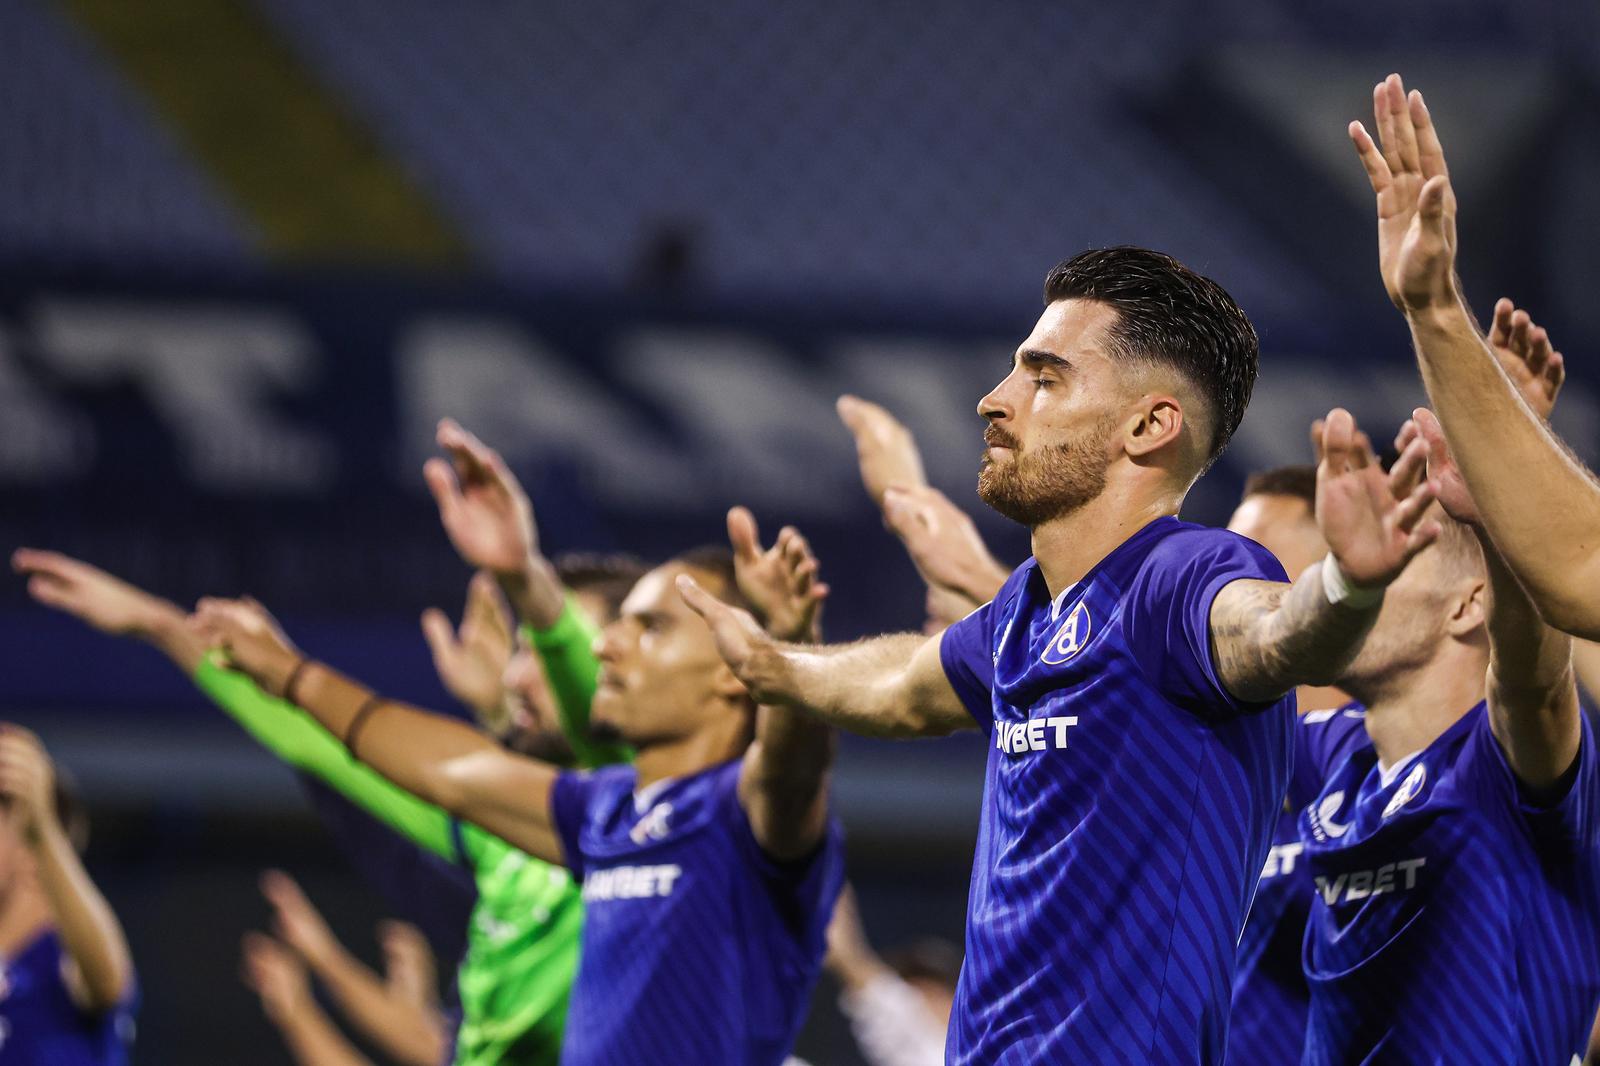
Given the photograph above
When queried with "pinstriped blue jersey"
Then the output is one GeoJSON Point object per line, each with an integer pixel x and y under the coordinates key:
{"type": "Point", "coordinates": [1128, 804]}
{"type": "Point", "coordinates": [39, 1023]}
{"type": "Point", "coordinates": [1270, 997]}
{"type": "Point", "coordinates": [698, 947]}
{"type": "Point", "coordinates": [1453, 921]}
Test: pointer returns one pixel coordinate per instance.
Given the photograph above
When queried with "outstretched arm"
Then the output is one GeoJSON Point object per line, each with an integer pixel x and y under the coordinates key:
{"type": "Point", "coordinates": [890, 686]}
{"type": "Point", "coordinates": [783, 782]}
{"type": "Point", "coordinates": [100, 973]}
{"type": "Point", "coordinates": [108, 604]}
{"type": "Point", "coordinates": [940, 538]}
{"type": "Point", "coordinates": [410, 1032]}
{"type": "Point", "coordinates": [1269, 637]}
{"type": "Point", "coordinates": [1532, 694]}
{"type": "Point", "coordinates": [1539, 504]}
{"type": "Point", "coordinates": [444, 762]}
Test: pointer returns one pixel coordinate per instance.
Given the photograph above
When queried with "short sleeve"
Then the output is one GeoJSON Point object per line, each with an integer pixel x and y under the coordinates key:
{"type": "Point", "coordinates": [1167, 619]}
{"type": "Point", "coordinates": [570, 798]}
{"type": "Point", "coordinates": [1560, 822]}
{"type": "Point", "coordinates": [966, 650]}
{"type": "Point", "coordinates": [1322, 741]}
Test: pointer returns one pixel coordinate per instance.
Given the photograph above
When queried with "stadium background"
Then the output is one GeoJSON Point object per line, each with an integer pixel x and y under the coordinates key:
{"type": "Point", "coordinates": [250, 250]}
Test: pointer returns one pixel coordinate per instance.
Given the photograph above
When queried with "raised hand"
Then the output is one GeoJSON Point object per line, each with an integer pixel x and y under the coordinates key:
{"type": "Point", "coordinates": [740, 638]}
{"type": "Point", "coordinates": [1454, 496]}
{"type": "Point", "coordinates": [251, 639]}
{"type": "Point", "coordinates": [27, 781]}
{"type": "Point", "coordinates": [485, 513]}
{"type": "Point", "coordinates": [472, 661]}
{"type": "Point", "coordinates": [780, 583]}
{"type": "Point", "coordinates": [1373, 522]}
{"type": "Point", "coordinates": [885, 449]}
{"type": "Point", "coordinates": [1527, 356]}
{"type": "Point", "coordinates": [1416, 205]}
{"type": "Point", "coordinates": [297, 922]}
{"type": "Point", "coordinates": [275, 974]}
{"type": "Point", "coordinates": [943, 543]}
{"type": "Point", "coordinates": [91, 595]}
{"type": "Point", "coordinates": [410, 971]}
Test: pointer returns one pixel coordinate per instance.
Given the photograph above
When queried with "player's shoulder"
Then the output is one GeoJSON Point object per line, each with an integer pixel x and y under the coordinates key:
{"type": "Point", "coordinates": [1172, 545]}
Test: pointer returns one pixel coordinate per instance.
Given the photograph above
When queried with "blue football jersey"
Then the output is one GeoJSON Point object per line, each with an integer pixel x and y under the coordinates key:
{"type": "Point", "coordinates": [1129, 801]}
{"type": "Point", "coordinates": [39, 1023]}
{"type": "Point", "coordinates": [1270, 997]}
{"type": "Point", "coordinates": [698, 947]}
{"type": "Point", "coordinates": [1453, 921]}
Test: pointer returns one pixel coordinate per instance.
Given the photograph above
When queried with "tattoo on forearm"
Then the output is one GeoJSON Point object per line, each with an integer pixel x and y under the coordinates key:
{"type": "Point", "coordinates": [1270, 637]}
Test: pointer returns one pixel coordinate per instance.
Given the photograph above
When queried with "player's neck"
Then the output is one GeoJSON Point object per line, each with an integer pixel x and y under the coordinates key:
{"type": "Point", "coordinates": [1412, 711]}
{"type": "Point", "coordinates": [24, 916]}
{"type": "Point", "coordinates": [1068, 547]}
{"type": "Point", "coordinates": [683, 756]}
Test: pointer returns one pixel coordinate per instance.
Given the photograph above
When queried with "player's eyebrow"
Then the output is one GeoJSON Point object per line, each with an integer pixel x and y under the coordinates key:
{"type": "Point", "coordinates": [1034, 359]}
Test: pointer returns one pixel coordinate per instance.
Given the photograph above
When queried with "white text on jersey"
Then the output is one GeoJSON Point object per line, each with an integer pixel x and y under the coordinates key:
{"type": "Point", "coordinates": [630, 882]}
{"type": "Point", "coordinates": [1035, 734]}
{"type": "Point", "coordinates": [1359, 884]}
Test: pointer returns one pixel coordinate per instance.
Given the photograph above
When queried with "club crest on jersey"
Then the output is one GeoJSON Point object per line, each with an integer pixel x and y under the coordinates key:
{"type": "Point", "coordinates": [1408, 789]}
{"type": "Point", "coordinates": [1070, 638]}
{"type": "Point", "coordinates": [1323, 827]}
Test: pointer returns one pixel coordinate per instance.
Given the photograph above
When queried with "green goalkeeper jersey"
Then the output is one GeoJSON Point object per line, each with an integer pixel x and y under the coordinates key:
{"type": "Point", "coordinates": [522, 944]}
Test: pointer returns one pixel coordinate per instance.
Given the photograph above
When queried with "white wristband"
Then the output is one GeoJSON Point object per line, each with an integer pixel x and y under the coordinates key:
{"type": "Point", "coordinates": [1339, 590]}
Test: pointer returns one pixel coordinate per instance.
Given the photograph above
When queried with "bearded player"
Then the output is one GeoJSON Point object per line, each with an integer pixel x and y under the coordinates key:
{"type": "Point", "coordinates": [1134, 675]}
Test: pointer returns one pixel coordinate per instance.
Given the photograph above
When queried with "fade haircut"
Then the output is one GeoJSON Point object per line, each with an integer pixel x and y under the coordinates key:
{"type": "Point", "coordinates": [715, 562]}
{"type": "Point", "coordinates": [609, 576]}
{"type": "Point", "coordinates": [1170, 316]}
{"type": "Point", "coordinates": [1298, 482]}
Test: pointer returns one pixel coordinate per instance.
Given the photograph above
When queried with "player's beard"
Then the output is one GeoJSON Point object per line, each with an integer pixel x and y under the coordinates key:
{"type": "Point", "coordinates": [543, 744]}
{"type": "Point", "coordinates": [1046, 482]}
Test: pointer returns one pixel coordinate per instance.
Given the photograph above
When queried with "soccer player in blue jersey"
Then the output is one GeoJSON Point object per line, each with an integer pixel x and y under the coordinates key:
{"type": "Point", "coordinates": [1278, 511]}
{"type": "Point", "coordinates": [710, 866]}
{"type": "Point", "coordinates": [66, 978]}
{"type": "Point", "coordinates": [1133, 675]}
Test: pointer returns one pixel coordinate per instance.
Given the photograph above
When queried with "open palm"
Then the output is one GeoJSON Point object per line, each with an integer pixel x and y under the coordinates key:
{"type": "Point", "coordinates": [1372, 521]}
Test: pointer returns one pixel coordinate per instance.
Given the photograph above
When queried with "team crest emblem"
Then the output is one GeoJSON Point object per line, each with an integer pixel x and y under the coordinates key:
{"type": "Point", "coordinates": [1408, 789]}
{"type": "Point", "coordinates": [1070, 638]}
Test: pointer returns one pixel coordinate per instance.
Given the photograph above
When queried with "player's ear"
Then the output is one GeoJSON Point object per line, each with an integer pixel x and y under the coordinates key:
{"type": "Point", "coordinates": [1470, 610]}
{"type": "Point", "coordinates": [1155, 421]}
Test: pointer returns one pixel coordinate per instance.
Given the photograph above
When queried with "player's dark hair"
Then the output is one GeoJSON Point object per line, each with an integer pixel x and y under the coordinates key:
{"type": "Point", "coordinates": [607, 575]}
{"type": "Point", "coordinates": [1298, 481]}
{"type": "Point", "coordinates": [715, 562]}
{"type": "Point", "coordinates": [1168, 314]}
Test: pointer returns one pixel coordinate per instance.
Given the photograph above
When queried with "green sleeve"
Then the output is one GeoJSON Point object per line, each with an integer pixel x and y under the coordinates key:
{"type": "Point", "coordinates": [567, 651]}
{"type": "Point", "coordinates": [297, 739]}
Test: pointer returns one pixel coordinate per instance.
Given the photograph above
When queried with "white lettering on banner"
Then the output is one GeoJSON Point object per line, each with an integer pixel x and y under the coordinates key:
{"type": "Point", "coordinates": [1281, 859]}
{"type": "Point", "coordinates": [1359, 884]}
{"type": "Point", "coordinates": [210, 373]}
{"type": "Point", "coordinates": [526, 400]}
{"type": "Point", "coordinates": [631, 882]}
{"type": "Point", "coordinates": [39, 439]}
{"type": "Point", "coordinates": [764, 427]}
{"type": "Point", "coordinates": [1033, 734]}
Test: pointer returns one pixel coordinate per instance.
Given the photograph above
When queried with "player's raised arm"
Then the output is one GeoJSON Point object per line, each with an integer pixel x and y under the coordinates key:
{"type": "Point", "coordinates": [108, 604]}
{"type": "Point", "coordinates": [1532, 692]}
{"type": "Point", "coordinates": [273, 972]}
{"type": "Point", "coordinates": [889, 686]}
{"type": "Point", "coordinates": [1538, 502]}
{"type": "Point", "coordinates": [410, 1031]}
{"type": "Point", "coordinates": [99, 971]}
{"type": "Point", "coordinates": [444, 762]}
{"type": "Point", "coordinates": [783, 784]}
{"type": "Point", "coordinates": [941, 538]}
{"type": "Point", "coordinates": [1268, 637]}
{"type": "Point", "coordinates": [489, 519]}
